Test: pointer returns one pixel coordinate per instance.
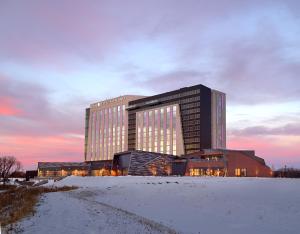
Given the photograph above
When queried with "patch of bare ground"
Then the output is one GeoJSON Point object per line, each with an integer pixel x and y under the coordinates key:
{"type": "Point", "coordinates": [6, 186]}
{"type": "Point", "coordinates": [19, 202]}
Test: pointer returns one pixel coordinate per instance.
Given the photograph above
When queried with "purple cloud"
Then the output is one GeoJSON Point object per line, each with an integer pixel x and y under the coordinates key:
{"type": "Point", "coordinates": [290, 129]}
{"type": "Point", "coordinates": [36, 115]}
{"type": "Point", "coordinates": [247, 49]}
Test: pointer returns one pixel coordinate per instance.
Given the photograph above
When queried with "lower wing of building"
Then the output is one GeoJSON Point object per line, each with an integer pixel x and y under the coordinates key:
{"type": "Point", "coordinates": [212, 162]}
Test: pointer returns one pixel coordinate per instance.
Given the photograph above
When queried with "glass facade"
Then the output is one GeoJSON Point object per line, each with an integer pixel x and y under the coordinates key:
{"type": "Point", "coordinates": [106, 128]}
{"type": "Point", "coordinates": [156, 130]}
{"type": "Point", "coordinates": [107, 135]}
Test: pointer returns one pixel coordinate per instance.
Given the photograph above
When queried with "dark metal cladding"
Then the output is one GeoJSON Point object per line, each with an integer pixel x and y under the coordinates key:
{"type": "Point", "coordinates": [195, 111]}
{"type": "Point", "coordinates": [205, 121]}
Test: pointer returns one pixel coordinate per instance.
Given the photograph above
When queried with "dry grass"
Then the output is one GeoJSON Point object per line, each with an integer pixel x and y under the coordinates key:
{"type": "Point", "coordinates": [6, 186]}
{"type": "Point", "coordinates": [18, 202]}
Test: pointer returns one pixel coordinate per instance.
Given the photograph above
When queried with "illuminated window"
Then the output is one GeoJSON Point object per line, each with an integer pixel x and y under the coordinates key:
{"type": "Point", "coordinates": [93, 133]}
{"type": "Point", "coordinates": [139, 127]}
{"type": "Point", "coordinates": [174, 130]}
{"type": "Point", "coordinates": [145, 130]}
{"type": "Point", "coordinates": [237, 172]}
{"type": "Point", "coordinates": [156, 124]}
{"type": "Point", "coordinates": [123, 138]}
{"type": "Point", "coordinates": [194, 172]}
{"type": "Point", "coordinates": [150, 124]}
{"type": "Point", "coordinates": [161, 130]}
{"type": "Point", "coordinates": [168, 129]}
{"type": "Point", "coordinates": [156, 130]}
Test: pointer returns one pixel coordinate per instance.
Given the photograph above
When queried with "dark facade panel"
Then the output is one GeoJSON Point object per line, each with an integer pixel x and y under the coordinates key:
{"type": "Point", "coordinates": [205, 121]}
{"type": "Point", "coordinates": [179, 168]}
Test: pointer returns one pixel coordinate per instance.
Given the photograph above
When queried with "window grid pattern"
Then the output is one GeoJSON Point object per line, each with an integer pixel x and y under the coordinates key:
{"type": "Point", "coordinates": [107, 133]}
{"type": "Point", "coordinates": [156, 130]}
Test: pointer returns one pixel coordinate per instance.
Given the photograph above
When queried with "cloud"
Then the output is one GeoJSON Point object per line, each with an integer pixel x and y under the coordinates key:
{"type": "Point", "coordinates": [30, 150]}
{"type": "Point", "coordinates": [59, 33]}
{"type": "Point", "coordinates": [8, 107]}
{"type": "Point", "coordinates": [290, 129]}
{"type": "Point", "coordinates": [249, 52]}
{"type": "Point", "coordinates": [27, 97]}
{"type": "Point", "coordinates": [276, 150]}
{"type": "Point", "coordinates": [232, 46]}
{"type": "Point", "coordinates": [170, 81]}
{"type": "Point", "coordinates": [278, 145]}
{"type": "Point", "coordinates": [29, 111]}
{"type": "Point", "coordinates": [247, 49]}
{"type": "Point", "coordinates": [33, 129]}
{"type": "Point", "coordinates": [255, 70]}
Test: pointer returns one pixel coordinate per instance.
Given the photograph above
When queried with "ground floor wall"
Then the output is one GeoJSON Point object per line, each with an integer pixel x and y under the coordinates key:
{"type": "Point", "coordinates": [242, 165]}
{"type": "Point", "coordinates": [61, 173]}
{"type": "Point", "coordinates": [231, 163]}
{"type": "Point", "coordinates": [62, 169]}
{"type": "Point", "coordinates": [205, 168]}
{"type": "Point", "coordinates": [143, 163]}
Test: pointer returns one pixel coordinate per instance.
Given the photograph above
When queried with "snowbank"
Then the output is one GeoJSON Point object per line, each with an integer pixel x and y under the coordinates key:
{"type": "Point", "coordinates": [205, 204]}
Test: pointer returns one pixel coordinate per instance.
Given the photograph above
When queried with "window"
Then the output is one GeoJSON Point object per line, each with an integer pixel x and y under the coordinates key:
{"type": "Point", "coordinates": [194, 172]}
{"type": "Point", "coordinates": [168, 129]}
{"type": "Point", "coordinates": [156, 125]}
{"type": "Point", "coordinates": [244, 172]}
{"type": "Point", "coordinates": [156, 130]}
{"type": "Point", "coordinates": [237, 172]}
{"type": "Point", "coordinates": [150, 124]}
{"type": "Point", "coordinates": [144, 131]}
{"type": "Point", "coordinates": [139, 132]}
{"type": "Point", "coordinates": [174, 152]}
{"type": "Point", "coordinates": [161, 130]}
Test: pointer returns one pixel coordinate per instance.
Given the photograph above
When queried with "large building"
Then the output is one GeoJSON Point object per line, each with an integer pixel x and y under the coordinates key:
{"type": "Point", "coordinates": [177, 122]}
{"type": "Point", "coordinates": [182, 132]}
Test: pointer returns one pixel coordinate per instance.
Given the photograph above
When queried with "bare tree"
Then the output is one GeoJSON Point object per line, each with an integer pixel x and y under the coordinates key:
{"type": "Point", "coordinates": [8, 165]}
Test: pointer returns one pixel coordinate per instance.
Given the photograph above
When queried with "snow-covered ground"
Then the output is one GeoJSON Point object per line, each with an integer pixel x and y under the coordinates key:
{"type": "Point", "coordinates": [169, 204]}
{"type": "Point", "coordinates": [12, 181]}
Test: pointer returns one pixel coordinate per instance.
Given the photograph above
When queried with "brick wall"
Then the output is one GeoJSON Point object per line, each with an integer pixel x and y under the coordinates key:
{"type": "Point", "coordinates": [237, 159]}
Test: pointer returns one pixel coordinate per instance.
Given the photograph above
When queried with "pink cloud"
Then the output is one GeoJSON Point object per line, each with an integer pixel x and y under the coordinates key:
{"type": "Point", "coordinates": [33, 130]}
{"type": "Point", "coordinates": [8, 107]}
{"type": "Point", "coordinates": [54, 34]}
{"type": "Point", "coordinates": [30, 150]}
{"type": "Point", "coordinates": [276, 150]}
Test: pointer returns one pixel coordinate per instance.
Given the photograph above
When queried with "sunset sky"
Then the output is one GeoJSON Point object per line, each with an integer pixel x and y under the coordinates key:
{"type": "Point", "coordinates": [57, 57]}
